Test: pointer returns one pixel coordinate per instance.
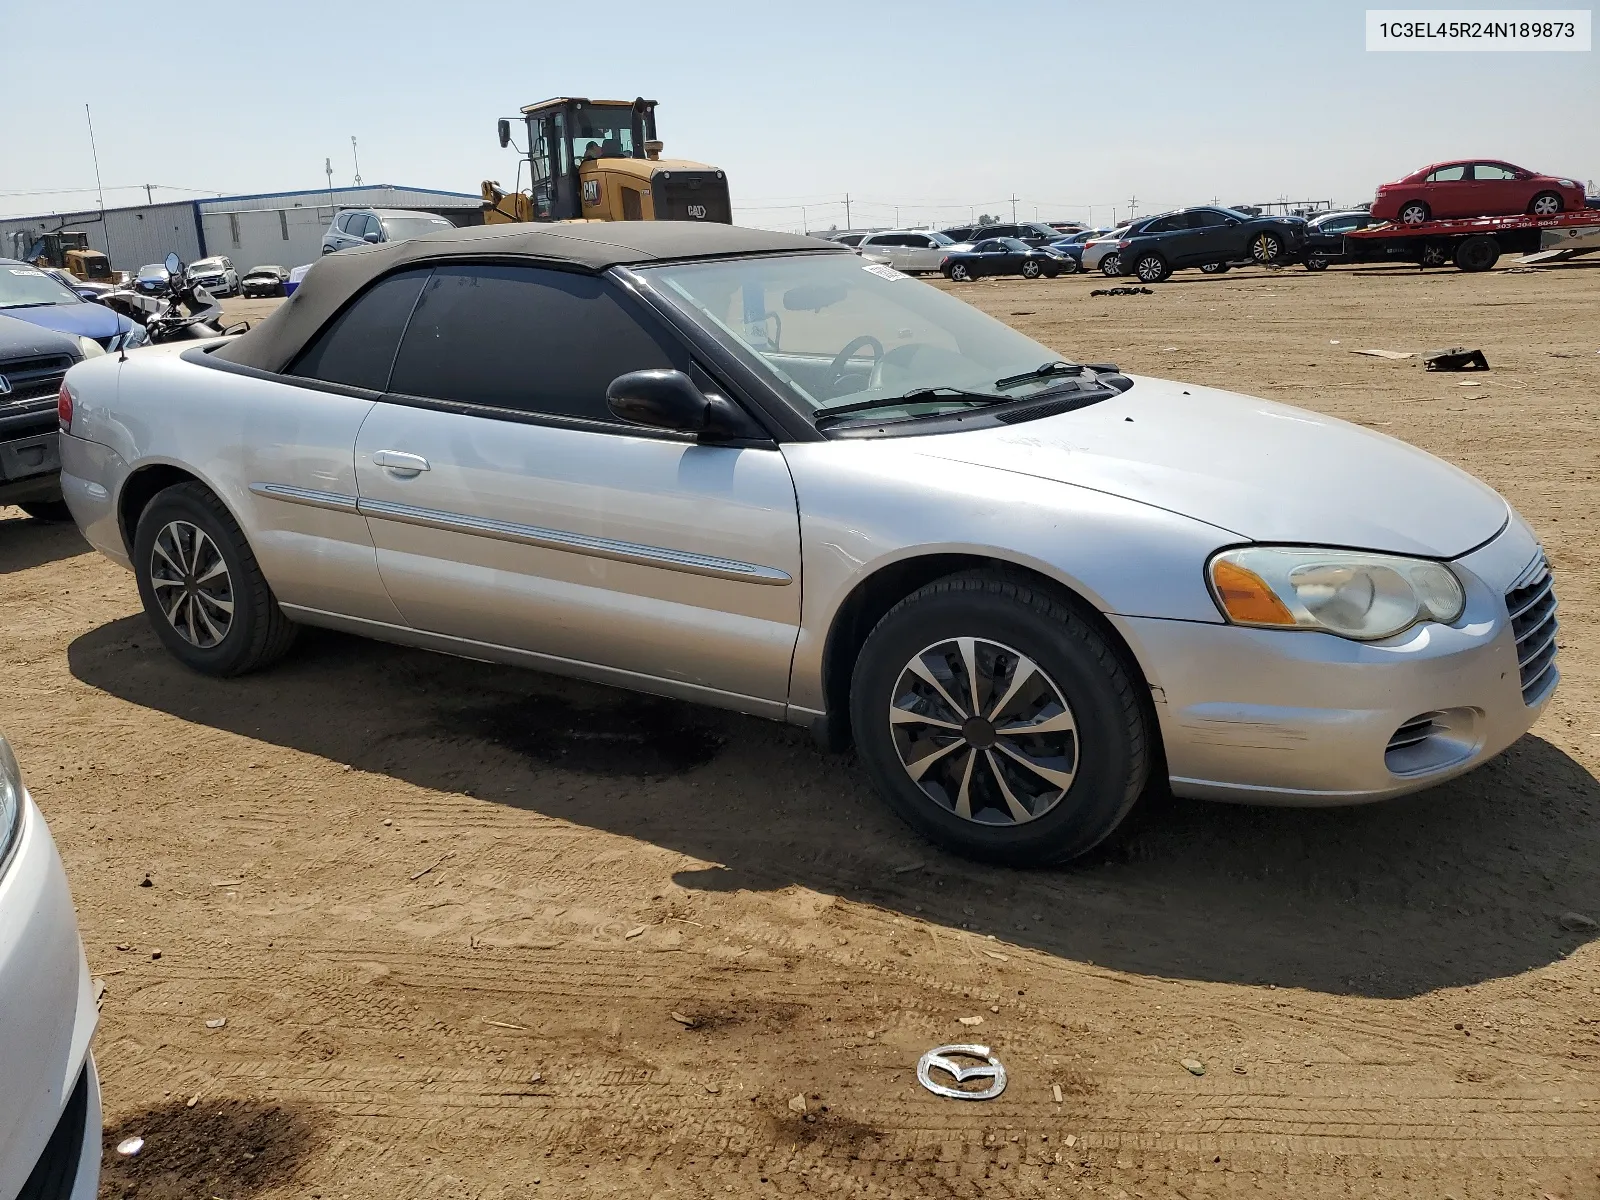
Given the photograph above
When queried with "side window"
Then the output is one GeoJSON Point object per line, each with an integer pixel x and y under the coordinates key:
{"type": "Point", "coordinates": [918, 241]}
{"type": "Point", "coordinates": [343, 223]}
{"type": "Point", "coordinates": [1492, 171]}
{"type": "Point", "coordinates": [1165, 225]}
{"type": "Point", "coordinates": [357, 347]}
{"type": "Point", "coordinates": [370, 225]}
{"type": "Point", "coordinates": [526, 339]}
{"type": "Point", "coordinates": [1448, 175]}
{"type": "Point", "coordinates": [1206, 218]}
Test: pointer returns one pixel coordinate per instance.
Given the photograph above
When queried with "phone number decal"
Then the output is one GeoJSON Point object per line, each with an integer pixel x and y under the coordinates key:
{"type": "Point", "coordinates": [1479, 29]}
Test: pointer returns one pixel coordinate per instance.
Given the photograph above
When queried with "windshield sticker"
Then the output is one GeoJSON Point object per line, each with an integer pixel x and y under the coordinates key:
{"type": "Point", "coordinates": [883, 272]}
{"type": "Point", "coordinates": [26, 271]}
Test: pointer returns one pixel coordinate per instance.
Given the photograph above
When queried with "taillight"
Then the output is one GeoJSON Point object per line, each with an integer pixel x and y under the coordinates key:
{"type": "Point", "coordinates": [1123, 245]}
{"type": "Point", "coordinates": [945, 261]}
{"type": "Point", "coordinates": [64, 407]}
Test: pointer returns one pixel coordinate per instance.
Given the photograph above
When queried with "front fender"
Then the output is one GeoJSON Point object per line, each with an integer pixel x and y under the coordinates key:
{"type": "Point", "coordinates": [866, 506]}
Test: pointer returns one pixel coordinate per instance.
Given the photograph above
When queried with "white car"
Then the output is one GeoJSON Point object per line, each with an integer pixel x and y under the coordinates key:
{"type": "Point", "coordinates": [910, 250]}
{"type": "Point", "coordinates": [49, 1092]}
{"type": "Point", "coordinates": [217, 275]}
{"type": "Point", "coordinates": [1097, 250]}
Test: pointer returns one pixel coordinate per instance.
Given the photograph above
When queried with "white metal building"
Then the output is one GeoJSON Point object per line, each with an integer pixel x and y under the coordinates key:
{"type": "Point", "coordinates": [282, 228]}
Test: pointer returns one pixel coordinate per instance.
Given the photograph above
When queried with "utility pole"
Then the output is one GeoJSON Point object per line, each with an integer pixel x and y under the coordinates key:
{"type": "Point", "coordinates": [356, 157]}
{"type": "Point", "coordinates": [847, 224]}
{"type": "Point", "coordinates": [327, 166]}
{"type": "Point", "coordinates": [1133, 207]}
{"type": "Point", "coordinates": [148, 198]}
{"type": "Point", "coordinates": [1013, 208]}
{"type": "Point", "coordinates": [95, 154]}
{"type": "Point", "coordinates": [897, 216]}
{"type": "Point", "coordinates": [804, 228]}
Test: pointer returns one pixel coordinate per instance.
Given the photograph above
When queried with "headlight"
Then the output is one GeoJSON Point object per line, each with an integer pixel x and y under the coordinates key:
{"type": "Point", "coordinates": [90, 347]}
{"type": "Point", "coordinates": [136, 336]}
{"type": "Point", "coordinates": [1347, 592]}
{"type": "Point", "coordinates": [10, 802]}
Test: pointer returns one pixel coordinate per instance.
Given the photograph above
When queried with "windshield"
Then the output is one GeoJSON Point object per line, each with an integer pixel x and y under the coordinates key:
{"type": "Point", "coordinates": [939, 239]}
{"type": "Point", "coordinates": [1014, 244]}
{"type": "Point", "coordinates": [29, 287]}
{"type": "Point", "coordinates": [399, 229]}
{"type": "Point", "coordinates": [152, 271]}
{"type": "Point", "coordinates": [207, 264]}
{"type": "Point", "coordinates": [834, 330]}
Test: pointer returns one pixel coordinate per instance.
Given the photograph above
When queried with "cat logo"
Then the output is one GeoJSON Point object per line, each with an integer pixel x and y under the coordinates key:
{"type": "Point", "coordinates": [697, 212]}
{"type": "Point", "coordinates": [591, 191]}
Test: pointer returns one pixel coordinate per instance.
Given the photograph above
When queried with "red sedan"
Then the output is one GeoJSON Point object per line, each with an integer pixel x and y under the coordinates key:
{"type": "Point", "coordinates": [1482, 188]}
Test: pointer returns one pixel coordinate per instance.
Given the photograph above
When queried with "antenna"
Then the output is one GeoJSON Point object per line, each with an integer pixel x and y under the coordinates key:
{"type": "Point", "coordinates": [95, 154]}
{"type": "Point", "coordinates": [357, 159]}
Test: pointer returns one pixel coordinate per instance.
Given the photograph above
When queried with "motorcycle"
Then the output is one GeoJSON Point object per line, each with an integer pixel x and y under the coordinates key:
{"type": "Point", "coordinates": [186, 312]}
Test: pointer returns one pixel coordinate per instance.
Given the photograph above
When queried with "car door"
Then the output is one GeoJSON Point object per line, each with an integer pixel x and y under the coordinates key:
{"type": "Point", "coordinates": [922, 253]}
{"type": "Point", "coordinates": [1214, 236]}
{"type": "Point", "coordinates": [511, 509]}
{"type": "Point", "coordinates": [1496, 189]}
{"type": "Point", "coordinates": [1448, 192]}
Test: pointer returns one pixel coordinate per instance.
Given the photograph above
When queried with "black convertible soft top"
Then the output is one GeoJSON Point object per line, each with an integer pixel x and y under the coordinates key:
{"type": "Point", "coordinates": [591, 246]}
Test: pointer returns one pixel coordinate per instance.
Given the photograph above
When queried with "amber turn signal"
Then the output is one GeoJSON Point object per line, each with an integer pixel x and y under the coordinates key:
{"type": "Point", "coordinates": [1245, 597]}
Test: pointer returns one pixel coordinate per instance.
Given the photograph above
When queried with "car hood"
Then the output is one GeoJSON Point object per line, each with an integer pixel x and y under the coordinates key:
{"type": "Point", "coordinates": [1264, 471]}
{"type": "Point", "coordinates": [82, 320]}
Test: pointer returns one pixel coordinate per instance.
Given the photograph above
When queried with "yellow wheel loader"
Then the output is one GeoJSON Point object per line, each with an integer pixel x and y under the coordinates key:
{"type": "Point", "coordinates": [599, 160]}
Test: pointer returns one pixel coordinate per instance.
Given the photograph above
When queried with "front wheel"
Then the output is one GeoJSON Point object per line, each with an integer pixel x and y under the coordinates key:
{"type": "Point", "coordinates": [996, 721]}
{"type": "Point", "coordinates": [1151, 268]}
{"type": "Point", "coordinates": [202, 589]}
{"type": "Point", "coordinates": [1316, 262]}
{"type": "Point", "coordinates": [1546, 204]}
{"type": "Point", "coordinates": [1031, 269]}
{"type": "Point", "coordinates": [1266, 247]}
{"type": "Point", "coordinates": [1111, 266]}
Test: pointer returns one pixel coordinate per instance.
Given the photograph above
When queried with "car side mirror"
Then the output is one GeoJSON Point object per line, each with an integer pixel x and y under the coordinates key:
{"type": "Point", "coordinates": [372, 239]}
{"type": "Point", "coordinates": [1230, 220]}
{"type": "Point", "coordinates": [666, 399]}
{"type": "Point", "coordinates": [174, 264]}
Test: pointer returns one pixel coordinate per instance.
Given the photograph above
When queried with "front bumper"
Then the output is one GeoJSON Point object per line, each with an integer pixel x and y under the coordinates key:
{"type": "Point", "coordinates": [49, 1093]}
{"type": "Point", "coordinates": [1303, 718]}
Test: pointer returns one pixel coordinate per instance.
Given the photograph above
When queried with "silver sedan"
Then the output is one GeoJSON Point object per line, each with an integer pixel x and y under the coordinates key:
{"type": "Point", "coordinates": [752, 470]}
{"type": "Point", "coordinates": [1100, 254]}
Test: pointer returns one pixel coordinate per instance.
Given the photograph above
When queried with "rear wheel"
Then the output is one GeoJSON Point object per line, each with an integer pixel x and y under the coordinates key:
{"type": "Point", "coordinates": [960, 273]}
{"type": "Point", "coordinates": [1477, 253]}
{"type": "Point", "coordinates": [1546, 204]}
{"type": "Point", "coordinates": [1151, 268]}
{"type": "Point", "coordinates": [202, 588]}
{"type": "Point", "coordinates": [1216, 268]}
{"type": "Point", "coordinates": [998, 722]}
{"type": "Point", "coordinates": [1111, 265]}
{"type": "Point", "coordinates": [1413, 213]}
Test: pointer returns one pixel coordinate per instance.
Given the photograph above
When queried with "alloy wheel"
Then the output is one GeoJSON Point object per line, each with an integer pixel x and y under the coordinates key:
{"type": "Point", "coordinates": [983, 731]}
{"type": "Point", "coordinates": [1030, 270]}
{"type": "Point", "coordinates": [958, 273]}
{"type": "Point", "coordinates": [191, 583]}
{"type": "Point", "coordinates": [1266, 248]}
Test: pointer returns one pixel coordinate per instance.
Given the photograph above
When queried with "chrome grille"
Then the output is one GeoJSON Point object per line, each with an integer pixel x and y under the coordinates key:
{"type": "Point", "coordinates": [1414, 731]}
{"type": "Point", "coordinates": [1532, 605]}
{"type": "Point", "coordinates": [31, 378]}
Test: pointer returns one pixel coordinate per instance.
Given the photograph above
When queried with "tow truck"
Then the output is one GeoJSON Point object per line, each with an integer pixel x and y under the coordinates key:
{"type": "Point", "coordinates": [1476, 243]}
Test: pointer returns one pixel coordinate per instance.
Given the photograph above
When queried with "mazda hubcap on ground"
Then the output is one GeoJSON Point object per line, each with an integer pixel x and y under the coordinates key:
{"type": "Point", "coordinates": [192, 584]}
{"type": "Point", "coordinates": [983, 731]}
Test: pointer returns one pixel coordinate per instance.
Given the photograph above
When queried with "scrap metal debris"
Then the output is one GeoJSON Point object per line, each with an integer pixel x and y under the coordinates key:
{"type": "Point", "coordinates": [1122, 291]}
{"type": "Point", "coordinates": [1457, 358]}
{"type": "Point", "coordinates": [1385, 353]}
{"type": "Point", "coordinates": [946, 1059]}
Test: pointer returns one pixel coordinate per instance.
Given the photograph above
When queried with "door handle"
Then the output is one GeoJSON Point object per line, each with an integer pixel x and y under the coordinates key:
{"type": "Point", "coordinates": [400, 462]}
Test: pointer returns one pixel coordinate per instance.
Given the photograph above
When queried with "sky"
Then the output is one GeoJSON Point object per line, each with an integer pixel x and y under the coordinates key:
{"type": "Point", "coordinates": [921, 112]}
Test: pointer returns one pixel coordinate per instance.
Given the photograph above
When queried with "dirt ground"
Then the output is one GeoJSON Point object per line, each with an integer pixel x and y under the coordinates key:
{"type": "Point", "coordinates": [484, 933]}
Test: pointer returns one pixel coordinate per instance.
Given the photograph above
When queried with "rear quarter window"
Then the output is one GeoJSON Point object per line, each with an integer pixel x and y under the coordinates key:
{"type": "Point", "coordinates": [357, 348]}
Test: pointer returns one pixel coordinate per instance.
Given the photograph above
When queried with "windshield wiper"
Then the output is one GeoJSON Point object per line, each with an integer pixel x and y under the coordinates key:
{"type": "Point", "coordinates": [1056, 366]}
{"type": "Point", "coordinates": [915, 396]}
{"type": "Point", "coordinates": [30, 304]}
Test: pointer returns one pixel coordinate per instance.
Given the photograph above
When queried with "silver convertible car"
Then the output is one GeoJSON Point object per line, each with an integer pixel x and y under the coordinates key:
{"type": "Point", "coordinates": [751, 470]}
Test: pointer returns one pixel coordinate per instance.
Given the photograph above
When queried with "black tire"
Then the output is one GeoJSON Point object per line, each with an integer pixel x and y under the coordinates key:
{"type": "Point", "coordinates": [55, 512]}
{"type": "Point", "coordinates": [1216, 268]}
{"type": "Point", "coordinates": [1413, 212]}
{"type": "Point", "coordinates": [1071, 657]}
{"type": "Point", "coordinates": [1477, 253]}
{"type": "Point", "coordinates": [1151, 268]}
{"type": "Point", "coordinates": [1070, 265]}
{"type": "Point", "coordinates": [959, 273]}
{"type": "Point", "coordinates": [1111, 266]}
{"type": "Point", "coordinates": [257, 633]}
{"type": "Point", "coordinates": [1316, 261]}
{"type": "Point", "coordinates": [1030, 269]}
{"type": "Point", "coordinates": [1546, 204]}
{"type": "Point", "coordinates": [1267, 247]}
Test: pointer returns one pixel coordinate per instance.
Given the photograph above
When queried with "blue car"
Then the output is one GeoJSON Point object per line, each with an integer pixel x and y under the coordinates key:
{"type": "Point", "coordinates": [29, 294]}
{"type": "Point", "coordinates": [1003, 256]}
{"type": "Point", "coordinates": [1072, 244]}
